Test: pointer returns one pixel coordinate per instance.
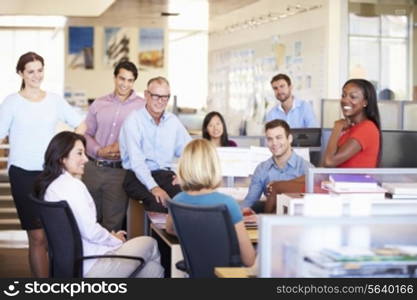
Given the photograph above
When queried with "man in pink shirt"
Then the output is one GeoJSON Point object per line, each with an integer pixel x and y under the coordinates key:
{"type": "Point", "coordinates": [104, 174]}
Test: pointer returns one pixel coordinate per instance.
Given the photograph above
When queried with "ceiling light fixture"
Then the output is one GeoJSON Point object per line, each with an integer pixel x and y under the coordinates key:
{"type": "Point", "coordinates": [271, 17]}
{"type": "Point", "coordinates": [168, 14]}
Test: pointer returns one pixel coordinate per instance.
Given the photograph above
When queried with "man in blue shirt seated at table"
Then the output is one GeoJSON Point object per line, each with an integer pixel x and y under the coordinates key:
{"type": "Point", "coordinates": [284, 164]}
{"type": "Point", "coordinates": [296, 112]}
{"type": "Point", "coordinates": [150, 139]}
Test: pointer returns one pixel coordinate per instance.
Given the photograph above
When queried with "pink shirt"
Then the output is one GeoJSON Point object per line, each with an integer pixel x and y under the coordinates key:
{"type": "Point", "coordinates": [105, 118]}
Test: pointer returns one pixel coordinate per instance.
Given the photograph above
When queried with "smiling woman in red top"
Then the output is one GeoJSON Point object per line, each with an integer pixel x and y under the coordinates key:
{"type": "Point", "coordinates": [355, 141]}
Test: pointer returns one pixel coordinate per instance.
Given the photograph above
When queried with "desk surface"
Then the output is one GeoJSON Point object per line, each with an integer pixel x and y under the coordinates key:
{"type": "Point", "coordinates": [169, 239]}
{"type": "Point", "coordinates": [222, 272]}
{"type": "Point", "coordinates": [173, 240]}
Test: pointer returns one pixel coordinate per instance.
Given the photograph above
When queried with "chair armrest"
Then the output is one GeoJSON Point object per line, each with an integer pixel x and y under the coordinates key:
{"type": "Point", "coordinates": [180, 265]}
{"type": "Point", "coordinates": [113, 256]}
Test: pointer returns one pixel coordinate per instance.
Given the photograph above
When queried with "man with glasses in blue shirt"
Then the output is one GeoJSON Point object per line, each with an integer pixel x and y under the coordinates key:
{"type": "Point", "coordinates": [150, 139]}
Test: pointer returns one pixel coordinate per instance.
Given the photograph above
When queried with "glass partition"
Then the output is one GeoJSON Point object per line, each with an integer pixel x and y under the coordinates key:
{"type": "Point", "coordinates": [390, 113]}
{"type": "Point", "coordinates": [338, 246]}
{"type": "Point", "coordinates": [410, 115]}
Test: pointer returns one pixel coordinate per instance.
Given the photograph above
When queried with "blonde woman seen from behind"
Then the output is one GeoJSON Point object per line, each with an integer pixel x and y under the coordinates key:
{"type": "Point", "coordinates": [199, 176]}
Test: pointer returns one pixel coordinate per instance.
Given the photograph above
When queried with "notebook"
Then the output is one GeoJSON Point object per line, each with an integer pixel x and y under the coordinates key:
{"type": "Point", "coordinates": [353, 180]}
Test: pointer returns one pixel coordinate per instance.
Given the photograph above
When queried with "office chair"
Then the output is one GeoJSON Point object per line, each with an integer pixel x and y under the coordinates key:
{"type": "Point", "coordinates": [207, 237]}
{"type": "Point", "coordinates": [65, 249]}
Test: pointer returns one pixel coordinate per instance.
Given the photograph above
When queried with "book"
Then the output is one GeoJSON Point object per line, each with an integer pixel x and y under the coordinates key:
{"type": "Point", "coordinates": [319, 266]}
{"type": "Point", "coordinates": [354, 188]}
{"type": "Point", "coordinates": [157, 218]}
{"type": "Point", "coordinates": [250, 221]}
{"type": "Point", "coordinates": [353, 181]}
{"type": "Point", "coordinates": [401, 188]}
{"type": "Point", "coordinates": [390, 260]}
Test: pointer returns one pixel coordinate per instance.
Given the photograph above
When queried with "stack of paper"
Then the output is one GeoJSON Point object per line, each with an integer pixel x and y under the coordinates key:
{"type": "Point", "coordinates": [401, 190]}
{"type": "Point", "coordinates": [354, 183]}
{"type": "Point", "coordinates": [388, 261]}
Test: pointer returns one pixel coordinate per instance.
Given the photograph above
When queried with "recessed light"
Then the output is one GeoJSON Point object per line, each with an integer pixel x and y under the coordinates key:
{"type": "Point", "coordinates": [168, 14]}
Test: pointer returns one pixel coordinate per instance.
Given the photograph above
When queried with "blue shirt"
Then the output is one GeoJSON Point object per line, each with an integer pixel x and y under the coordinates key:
{"type": "Point", "coordinates": [268, 171]}
{"type": "Point", "coordinates": [301, 114]}
{"type": "Point", "coordinates": [146, 146]}
{"type": "Point", "coordinates": [31, 125]}
{"type": "Point", "coordinates": [213, 198]}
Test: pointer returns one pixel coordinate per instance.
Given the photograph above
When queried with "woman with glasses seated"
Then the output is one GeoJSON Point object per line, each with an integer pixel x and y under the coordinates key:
{"type": "Point", "coordinates": [214, 130]}
{"type": "Point", "coordinates": [199, 175]}
{"type": "Point", "coordinates": [61, 180]}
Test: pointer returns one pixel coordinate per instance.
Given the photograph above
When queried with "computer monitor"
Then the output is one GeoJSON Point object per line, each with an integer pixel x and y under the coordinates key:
{"type": "Point", "coordinates": [399, 148]}
{"type": "Point", "coordinates": [306, 137]}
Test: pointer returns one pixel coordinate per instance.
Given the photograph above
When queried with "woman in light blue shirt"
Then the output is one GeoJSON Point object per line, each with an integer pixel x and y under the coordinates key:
{"type": "Point", "coordinates": [29, 118]}
{"type": "Point", "coordinates": [199, 176]}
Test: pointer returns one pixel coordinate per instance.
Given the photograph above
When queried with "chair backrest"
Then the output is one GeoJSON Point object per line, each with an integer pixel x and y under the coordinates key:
{"type": "Point", "coordinates": [64, 239]}
{"type": "Point", "coordinates": [207, 236]}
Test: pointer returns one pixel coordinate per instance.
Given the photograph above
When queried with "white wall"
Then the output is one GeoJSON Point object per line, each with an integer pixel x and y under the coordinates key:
{"type": "Point", "coordinates": [46, 42]}
{"type": "Point", "coordinates": [331, 19]}
{"type": "Point", "coordinates": [99, 81]}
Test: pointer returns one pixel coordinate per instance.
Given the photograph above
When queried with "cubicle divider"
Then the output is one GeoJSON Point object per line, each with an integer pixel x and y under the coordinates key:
{"type": "Point", "coordinates": [399, 147]}
{"type": "Point", "coordinates": [315, 176]}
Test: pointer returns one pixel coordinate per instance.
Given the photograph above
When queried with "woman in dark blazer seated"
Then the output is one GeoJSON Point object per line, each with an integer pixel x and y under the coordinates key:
{"type": "Point", "coordinates": [214, 130]}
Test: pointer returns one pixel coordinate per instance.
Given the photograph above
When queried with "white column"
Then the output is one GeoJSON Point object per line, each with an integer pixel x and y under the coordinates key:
{"type": "Point", "coordinates": [337, 37]}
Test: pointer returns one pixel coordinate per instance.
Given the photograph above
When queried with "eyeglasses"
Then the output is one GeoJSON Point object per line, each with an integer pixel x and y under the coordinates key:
{"type": "Point", "coordinates": [156, 97]}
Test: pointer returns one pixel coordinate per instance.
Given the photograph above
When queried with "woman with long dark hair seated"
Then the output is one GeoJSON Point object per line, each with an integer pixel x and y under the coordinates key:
{"type": "Point", "coordinates": [214, 130]}
{"type": "Point", "coordinates": [60, 180]}
{"type": "Point", "coordinates": [355, 141]}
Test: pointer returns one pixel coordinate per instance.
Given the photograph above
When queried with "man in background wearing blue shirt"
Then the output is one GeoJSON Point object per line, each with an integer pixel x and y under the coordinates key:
{"type": "Point", "coordinates": [149, 140]}
{"type": "Point", "coordinates": [297, 113]}
{"type": "Point", "coordinates": [284, 164]}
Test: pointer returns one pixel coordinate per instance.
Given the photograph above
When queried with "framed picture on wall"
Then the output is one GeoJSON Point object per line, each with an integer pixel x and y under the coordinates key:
{"type": "Point", "coordinates": [116, 46]}
{"type": "Point", "coordinates": [151, 48]}
{"type": "Point", "coordinates": [81, 47]}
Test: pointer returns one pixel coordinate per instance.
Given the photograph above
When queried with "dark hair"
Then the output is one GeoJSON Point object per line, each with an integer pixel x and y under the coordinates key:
{"type": "Point", "coordinates": [127, 65]}
{"type": "Point", "coordinates": [23, 60]}
{"type": "Point", "coordinates": [59, 148]}
{"type": "Point", "coordinates": [281, 77]}
{"type": "Point", "coordinates": [371, 110]}
{"type": "Point", "coordinates": [278, 123]}
{"type": "Point", "coordinates": [386, 94]}
{"type": "Point", "coordinates": [224, 139]}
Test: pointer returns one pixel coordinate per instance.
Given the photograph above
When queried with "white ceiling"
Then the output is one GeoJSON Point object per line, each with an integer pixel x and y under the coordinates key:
{"type": "Point", "coordinates": [76, 8]}
{"type": "Point", "coordinates": [94, 8]}
{"type": "Point", "coordinates": [222, 13]}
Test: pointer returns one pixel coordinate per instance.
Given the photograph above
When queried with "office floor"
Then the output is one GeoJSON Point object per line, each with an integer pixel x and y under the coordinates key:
{"type": "Point", "coordinates": [13, 254]}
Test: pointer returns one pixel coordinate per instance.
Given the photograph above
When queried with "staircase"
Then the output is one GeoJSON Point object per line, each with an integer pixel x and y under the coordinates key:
{"type": "Point", "coordinates": [13, 240]}
{"type": "Point", "coordinates": [8, 214]}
